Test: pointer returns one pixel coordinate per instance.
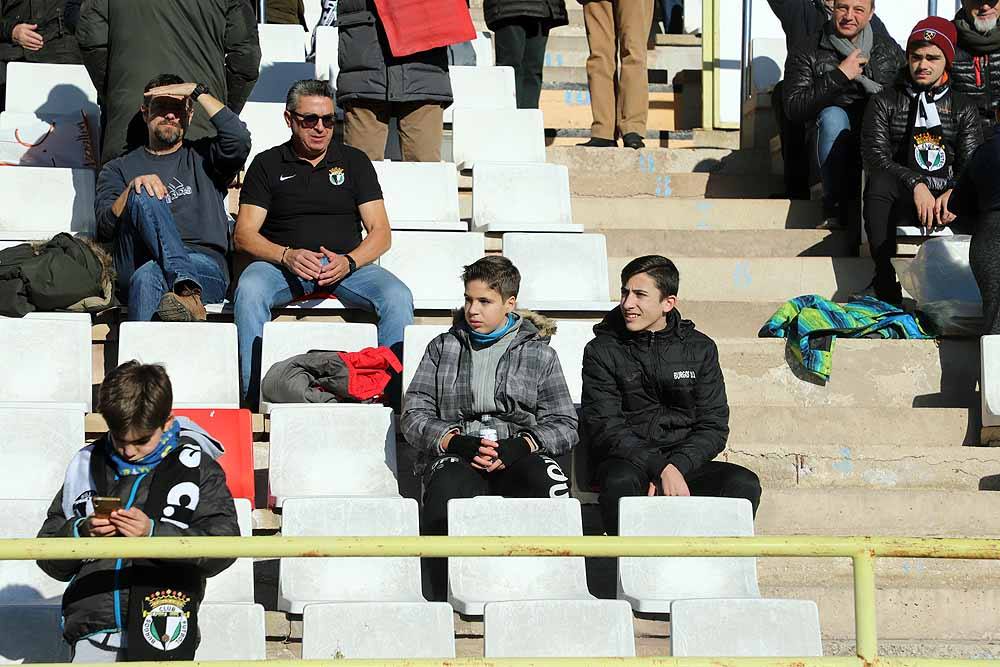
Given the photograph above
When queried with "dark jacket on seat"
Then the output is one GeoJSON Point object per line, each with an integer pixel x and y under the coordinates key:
{"type": "Point", "coordinates": [813, 80]}
{"type": "Point", "coordinates": [60, 44]}
{"type": "Point", "coordinates": [654, 399]}
{"type": "Point", "coordinates": [551, 12]}
{"type": "Point", "coordinates": [369, 71]}
{"type": "Point", "coordinates": [887, 133]}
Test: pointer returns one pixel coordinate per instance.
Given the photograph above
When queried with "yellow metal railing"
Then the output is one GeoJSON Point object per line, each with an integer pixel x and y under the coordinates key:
{"type": "Point", "coordinates": [862, 550]}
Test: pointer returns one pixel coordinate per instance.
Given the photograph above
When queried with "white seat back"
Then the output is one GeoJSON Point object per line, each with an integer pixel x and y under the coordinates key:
{"type": "Point", "coordinates": [542, 578]}
{"type": "Point", "coordinates": [378, 630]}
{"type": "Point", "coordinates": [281, 44]}
{"type": "Point", "coordinates": [22, 582]}
{"type": "Point", "coordinates": [40, 202]}
{"type": "Point", "coordinates": [477, 136]}
{"type": "Point", "coordinates": [989, 379]}
{"type": "Point", "coordinates": [564, 269]}
{"type": "Point", "coordinates": [327, 53]}
{"type": "Point", "coordinates": [541, 204]}
{"type": "Point", "coordinates": [277, 77]}
{"type": "Point", "coordinates": [46, 360]}
{"type": "Point", "coordinates": [559, 629]}
{"type": "Point", "coordinates": [481, 87]}
{"type": "Point", "coordinates": [745, 628]}
{"type": "Point", "coordinates": [483, 46]}
{"type": "Point", "coordinates": [650, 584]}
{"type": "Point", "coordinates": [31, 635]}
{"type": "Point", "coordinates": [201, 359]}
{"type": "Point", "coordinates": [266, 122]}
{"type": "Point", "coordinates": [231, 631]}
{"type": "Point", "coordinates": [415, 341]}
{"type": "Point", "coordinates": [235, 583]}
{"type": "Point", "coordinates": [569, 342]}
{"type": "Point", "coordinates": [38, 444]}
{"type": "Point", "coordinates": [332, 450]}
{"type": "Point", "coordinates": [431, 265]}
{"type": "Point", "coordinates": [420, 195]}
{"type": "Point", "coordinates": [308, 580]}
{"type": "Point", "coordinates": [50, 90]}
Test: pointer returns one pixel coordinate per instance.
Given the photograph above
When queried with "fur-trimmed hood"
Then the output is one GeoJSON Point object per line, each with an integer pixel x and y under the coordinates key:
{"type": "Point", "coordinates": [544, 326]}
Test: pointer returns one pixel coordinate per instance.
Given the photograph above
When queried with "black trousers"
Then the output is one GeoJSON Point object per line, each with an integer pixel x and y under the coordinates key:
{"type": "Point", "coordinates": [520, 43]}
{"type": "Point", "coordinates": [794, 148]}
{"type": "Point", "coordinates": [620, 479]}
{"type": "Point", "coordinates": [984, 256]}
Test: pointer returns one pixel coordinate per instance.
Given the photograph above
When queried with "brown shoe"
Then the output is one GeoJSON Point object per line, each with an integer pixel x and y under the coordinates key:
{"type": "Point", "coordinates": [182, 308]}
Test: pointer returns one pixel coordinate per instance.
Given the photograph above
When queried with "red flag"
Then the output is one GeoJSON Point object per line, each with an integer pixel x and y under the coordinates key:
{"type": "Point", "coordinates": [420, 25]}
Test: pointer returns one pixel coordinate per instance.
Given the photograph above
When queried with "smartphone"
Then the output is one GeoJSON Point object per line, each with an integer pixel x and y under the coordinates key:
{"type": "Point", "coordinates": [104, 505]}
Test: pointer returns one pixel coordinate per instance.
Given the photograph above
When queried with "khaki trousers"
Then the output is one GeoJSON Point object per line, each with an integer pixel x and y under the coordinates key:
{"type": "Point", "coordinates": [618, 99]}
{"type": "Point", "coordinates": [421, 125]}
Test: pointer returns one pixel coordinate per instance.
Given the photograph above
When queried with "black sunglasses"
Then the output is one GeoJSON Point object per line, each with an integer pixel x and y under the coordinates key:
{"type": "Point", "coordinates": [309, 121]}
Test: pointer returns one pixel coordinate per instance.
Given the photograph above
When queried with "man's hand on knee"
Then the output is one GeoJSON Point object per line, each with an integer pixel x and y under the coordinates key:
{"type": "Point", "coordinates": [151, 183]}
{"type": "Point", "coordinates": [925, 203]}
{"type": "Point", "coordinates": [306, 264]}
{"type": "Point", "coordinates": [336, 269]}
{"type": "Point", "coordinates": [672, 483]}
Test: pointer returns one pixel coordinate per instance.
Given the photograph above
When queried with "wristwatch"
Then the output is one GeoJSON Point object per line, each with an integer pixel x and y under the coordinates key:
{"type": "Point", "coordinates": [352, 264]}
{"type": "Point", "coordinates": [199, 90]}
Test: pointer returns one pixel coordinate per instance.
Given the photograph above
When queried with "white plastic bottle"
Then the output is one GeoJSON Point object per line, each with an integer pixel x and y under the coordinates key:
{"type": "Point", "coordinates": [486, 431]}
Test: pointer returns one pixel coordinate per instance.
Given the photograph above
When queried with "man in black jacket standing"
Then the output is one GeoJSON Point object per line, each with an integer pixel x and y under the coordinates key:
{"type": "Point", "coordinates": [654, 399]}
{"type": "Point", "coordinates": [521, 32]}
{"type": "Point", "coordinates": [975, 73]}
{"type": "Point", "coordinates": [829, 79]}
{"type": "Point", "coordinates": [916, 140]}
{"type": "Point", "coordinates": [35, 31]}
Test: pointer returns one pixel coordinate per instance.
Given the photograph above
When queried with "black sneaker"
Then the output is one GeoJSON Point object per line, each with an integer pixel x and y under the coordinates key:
{"type": "Point", "coordinates": [633, 140]}
{"type": "Point", "coordinates": [597, 142]}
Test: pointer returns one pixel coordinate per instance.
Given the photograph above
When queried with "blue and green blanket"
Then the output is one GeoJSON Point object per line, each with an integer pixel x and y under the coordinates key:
{"type": "Point", "coordinates": [812, 324]}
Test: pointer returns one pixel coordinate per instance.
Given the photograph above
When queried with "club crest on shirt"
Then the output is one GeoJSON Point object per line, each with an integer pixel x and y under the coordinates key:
{"type": "Point", "coordinates": [337, 176]}
{"type": "Point", "coordinates": [165, 619]}
{"type": "Point", "coordinates": [929, 152]}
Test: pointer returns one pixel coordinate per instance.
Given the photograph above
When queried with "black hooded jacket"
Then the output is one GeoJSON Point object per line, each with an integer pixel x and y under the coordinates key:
{"type": "Point", "coordinates": [654, 398]}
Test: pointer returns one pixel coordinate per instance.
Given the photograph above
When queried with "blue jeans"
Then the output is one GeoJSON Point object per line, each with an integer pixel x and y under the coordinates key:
{"type": "Point", "coordinates": [263, 286]}
{"type": "Point", "coordinates": [151, 259]}
{"type": "Point", "coordinates": [837, 153]}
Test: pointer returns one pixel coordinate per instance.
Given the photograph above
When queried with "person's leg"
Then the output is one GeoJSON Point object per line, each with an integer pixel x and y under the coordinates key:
{"type": "Point", "coordinates": [632, 21]}
{"type": "Point", "coordinates": [833, 151]}
{"type": "Point", "coordinates": [509, 41]}
{"type": "Point", "coordinates": [793, 148]}
{"type": "Point", "coordinates": [366, 126]}
{"type": "Point", "coordinates": [529, 81]}
{"type": "Point", "coordinates": [146, 287]}
{"type": "Point", "coordinates": [885, 203]}
{"type": "Point", "coordinates": [534, 476]}
{"type": "Point", "coordinates": [718, 479]}
{"type": "Point", "coordinates": [214, 283]}
{"type": "Point", "coordinates": [618, 479]}
{"type": "Point", "coordinates": [601, 67]}
{"type": "Point", "coordinates": [421, 128]}
{"type": "Point", "coordinates": [261, 287]}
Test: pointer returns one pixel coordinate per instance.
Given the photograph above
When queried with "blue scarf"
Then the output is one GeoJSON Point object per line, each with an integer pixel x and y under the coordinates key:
{"type": "Point", "coordinates": [168, 442]}
{"type": "Point", "coordinates": [486, 339]}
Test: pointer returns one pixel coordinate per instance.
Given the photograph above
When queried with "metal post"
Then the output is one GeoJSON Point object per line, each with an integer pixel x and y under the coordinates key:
{"type": "Point", "coordinates": [262, 9]}
{"type": "Point", "coordinates": [931, 7]}
{"type": "Point", "coordinates": [708, 72]}
{"type": "Point", "coordinates": [864, 607]}
{"type": "Point", "coordinates": [747, 40]}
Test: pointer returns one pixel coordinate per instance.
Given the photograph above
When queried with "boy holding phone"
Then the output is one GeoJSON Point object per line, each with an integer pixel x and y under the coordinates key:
{"type": "Point", "coordinates": [151, 475]}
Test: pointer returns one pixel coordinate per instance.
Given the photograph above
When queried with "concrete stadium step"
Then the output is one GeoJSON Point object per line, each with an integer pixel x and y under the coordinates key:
{"type": "Point", "coordinates": [572, 52]}
{"type": "Point", "coordinates": [889, 572]}
{"type": "Point", "coordinates": [566, 105]}
{"type": "Point", "coordinates": [868, 465]}
{"type": "Point", "coordinates": [676, 186]}
{"type": "Point", "coordinates": [555, 74]}
{"type": "Point", "coordinates": [561, 39]}
{"type": "Point", "coordinates": [866, 373]}
{"type": "Point", "coordinates": [942, 649]}
{"type": "Point", "coordinates": [625, 163]}
{"type": "Point", "coordinates": [882, 426]}
{"type": "Point", "coordinates": [730, 243]}
{"type": "Point", "coordinates": [608, 213]}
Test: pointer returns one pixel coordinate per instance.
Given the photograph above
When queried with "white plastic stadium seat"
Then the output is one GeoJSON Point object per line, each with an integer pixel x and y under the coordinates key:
{"type": "Point", "coordinates": [481, 87]}
{"type": "Point", "coordinates": [327, 53]}
{"type": "Point", "coordinates": [989, 381]}
{"type": "Point", "coordinates": [378, 630]}
{"type": "Point", "coordinates": [50, 90]}
{"type": "Point", "coordinates": [514, 578]}
{"type": "Point", "coordinates": [431, 265]}
{"type": "Point", "coordinates": [745, 628]}
{"type": "Point", "coordinates": [22, 582]}
{"type": "Point", "coordinates": [483, 46]}
{"type": "Point", "coordinates": [231, 631]}
{"type": "Point", "coordinates": [421, 195]}
{"type": "Point", "coordinates": [266, 122]}
{"type": "Point", "coordinates": [281, 44]}
{"type": "Point", "coordinates": [568, 271]}
{"type": "Point", "coordinates": [559, 629]}
{"type": "Point", "coordinates": [415, 341]}
{"type": "Point", "coordinates": [38, 444]}
{"type": "Point", "coordinates": [309, 580]}
{"type": "Point", "coordinates": [235, 583]}
{"type": "Point", "coordinates": [277, 77]}
{"type": "Point", "coordinates": [477, 137]}
{"type": "Point", "coordinates": [40, 202]}
{"type": "Point", "coordinates": [46, 360]}
{"type": "Point", "coordinates": [332, 450]}
{"type": "Point", "coordinates": [284, 340]}
{"type": "Point", "coordinates": [569, 342]}
{"type": "Point", "coordinates": [651, 584]}
{"type": "Point", "coordinates": [531, 197]}
{"type": "Point", "coordinates": [201, 359]}
{"type": "Point", "coordinates": [31, 635]}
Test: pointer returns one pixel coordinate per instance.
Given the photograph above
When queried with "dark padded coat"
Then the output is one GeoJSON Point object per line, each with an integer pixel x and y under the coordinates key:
{"type": "Point", "coordinates": [976, 76]}
{"type": "Point", "coordinates": [49, 15]}
{"type": "Point", "coordinates": [369, 71]}
{"type": "Point", "coordinates": [551, 12]}
{"type": "Point", "coordinates": [654, 399]}
{"type": "Point", "coordinates": [813, 80]}
{"type": "Point", "coordinates": [886, 134]}
{"type": "Point", "coordinates": [126, 43]}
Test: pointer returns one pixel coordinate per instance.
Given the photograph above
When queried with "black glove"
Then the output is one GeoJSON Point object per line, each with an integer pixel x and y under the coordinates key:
{"type": "Point", "coordinates": [465, 447]}
{"type": "Point", "coordinates": [512, 450]}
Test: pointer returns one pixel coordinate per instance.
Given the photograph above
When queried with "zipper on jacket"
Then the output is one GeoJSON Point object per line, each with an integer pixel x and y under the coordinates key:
{"type": "Point", "coordinates": [118, 563]}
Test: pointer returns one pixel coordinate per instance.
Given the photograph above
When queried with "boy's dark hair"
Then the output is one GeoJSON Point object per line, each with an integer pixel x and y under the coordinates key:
{"type": "Point", "coordinates": [162, 80]}
{"type": "Point", "coordinates": [663, 272]}
{"type": "Point", "coordinates": [498, 272]}
{"type": "Point", "coordinates": [136, 397]}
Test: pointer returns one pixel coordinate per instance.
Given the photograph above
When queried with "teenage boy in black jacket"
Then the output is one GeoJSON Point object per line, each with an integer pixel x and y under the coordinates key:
{"type": "Point", "coordinates": [654, 399]}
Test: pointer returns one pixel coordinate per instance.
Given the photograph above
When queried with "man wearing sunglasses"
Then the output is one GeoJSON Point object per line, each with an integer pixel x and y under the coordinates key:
{"type": "Point", "coordinates": [302, 207]}
{"type": "Point", "coordinates": [163, 205]}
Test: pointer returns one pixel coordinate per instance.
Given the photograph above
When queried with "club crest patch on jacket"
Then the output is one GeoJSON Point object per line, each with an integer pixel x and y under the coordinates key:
{"type": "Point", "coordinates": [166, 619]}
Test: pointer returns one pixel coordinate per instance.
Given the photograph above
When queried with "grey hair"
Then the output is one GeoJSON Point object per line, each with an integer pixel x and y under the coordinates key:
{"type": "Point", "coordinates": [306, 88]}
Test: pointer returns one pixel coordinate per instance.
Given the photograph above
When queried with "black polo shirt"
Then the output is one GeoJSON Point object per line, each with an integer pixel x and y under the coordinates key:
{"type": "Point", "coordinates": [308, 207]}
